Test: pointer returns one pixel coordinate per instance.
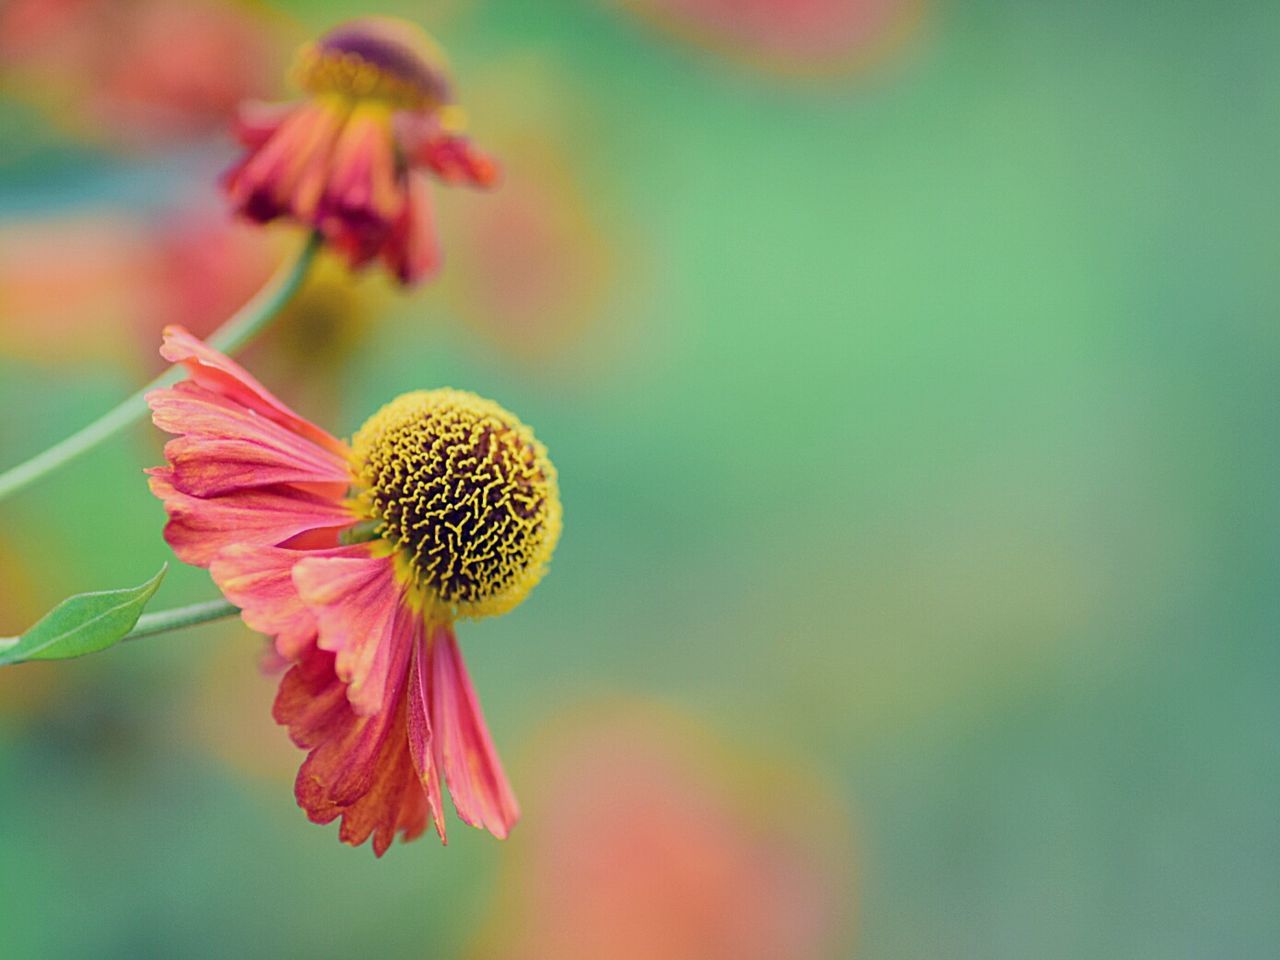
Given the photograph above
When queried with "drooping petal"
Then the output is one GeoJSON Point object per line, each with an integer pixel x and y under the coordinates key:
{"type": "Point", "coordinates": [365, 191]}
{"type": "Point", "coordinates": [412, 252]}
{"type": "Point", "coordinates": [259, 580]}
{"type": "Point", "coordinates": [198, 529]}
{"type": "Point", "coordinates": [394, 802]}
{"type": "Point", "coordinates": [456, 160]}
{"type": "Point", "coordinates": [223, 376]}
{"type": "Point", "coordinates": [359, 767]}
{"type": "Point", "coordinates": [285, 175]}
{"type": "Point", "coordinates": [225, 446]}
{"type": "Point", "coordinates": [464, 751]}
{"type": "Point", "coordinates": [421, 748]}
{"type": "Point", "coordinates": [312, 702]}
{"type": "Point", "coordinates": [357, 605]}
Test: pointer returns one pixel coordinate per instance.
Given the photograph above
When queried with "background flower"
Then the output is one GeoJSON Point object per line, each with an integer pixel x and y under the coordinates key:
{"type": "Point", "coordinates": [351, 159]}
{"type": "Point", "coordinates": [139, 73]}
{"type": "Point", "coordinates": [652, 838]}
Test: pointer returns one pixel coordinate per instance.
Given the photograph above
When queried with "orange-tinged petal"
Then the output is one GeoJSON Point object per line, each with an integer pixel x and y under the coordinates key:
{"type": "Point", "coordinates": [259, 580]}
{"type": "Point", "coordinates": [456, 160]}
{"type": "Point", "coordinates": [359, 768]}
{"type": "Point", "coordinates": [364, 183]}
{"type": "Point", "coordinates": [357, 605]}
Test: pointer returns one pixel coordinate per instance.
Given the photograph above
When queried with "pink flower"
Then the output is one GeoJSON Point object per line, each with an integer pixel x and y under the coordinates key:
{"type": "Point", "coordinates": [358, 560]}
{"type": "Point", "coordinates": [352, 160]}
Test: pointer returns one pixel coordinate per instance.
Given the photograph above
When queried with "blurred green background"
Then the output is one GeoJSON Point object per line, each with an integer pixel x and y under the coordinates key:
{"type": "Point", "coordinates": [915, 423]}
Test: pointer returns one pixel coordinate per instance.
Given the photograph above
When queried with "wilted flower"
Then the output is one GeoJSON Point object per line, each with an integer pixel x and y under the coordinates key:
{"type": "Point", "coordinates": [357, 560]}
{"type": "Point", "coordinates": [352, 159]}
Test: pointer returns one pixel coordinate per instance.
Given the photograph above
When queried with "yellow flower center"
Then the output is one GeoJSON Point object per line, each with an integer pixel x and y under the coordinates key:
{"type": "Point", "coordinates": [466, 494]}
{"type": "Point", "coordinates": [376, 58]}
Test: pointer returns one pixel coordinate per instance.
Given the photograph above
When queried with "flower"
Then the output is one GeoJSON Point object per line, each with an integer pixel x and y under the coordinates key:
{"type": "Point", "coordinates": [654, 837]}
{"type": "Point", "coordinates": [358, 560]}
{"type": "Point", "coordinates": [351, 160]}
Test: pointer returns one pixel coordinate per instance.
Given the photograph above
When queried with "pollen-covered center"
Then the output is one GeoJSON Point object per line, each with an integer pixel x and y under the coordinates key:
{"type": "Point", "coordinates": [379, 58]}
{"type": "Point", "coordinates": [465, 492]}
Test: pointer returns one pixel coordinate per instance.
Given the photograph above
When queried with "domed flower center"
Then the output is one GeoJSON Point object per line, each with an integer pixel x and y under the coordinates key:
{"type": "Point", "coordinates": [377, 58]}
{"type": "Point", "coordinates": [465, 492]}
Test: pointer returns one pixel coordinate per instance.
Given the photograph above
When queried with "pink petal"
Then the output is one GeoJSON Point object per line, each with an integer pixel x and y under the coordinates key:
{"type": "Point", "coordinates": [286, 173]}
{"type": "Point", "coordinates": [420, 738]}
{"type": "Point", "coordinates": [357, 605]}
{"type": "Point", "coordinates": [449, 156]}
{"type": "Point", "coordinates": [199, 529]}
{"type": "Point", "coordinates": [364, 182]}
{"type": "Point", "coordinates": [358, 768]}
{"type": "Point", "coordinates": [463, 749]}
{"type": "Point", "coordinates": [259, 580]}
{"type": "Point", "coordinates": [412, 251]}
{"type": "Point", "coordinates": [225, 446]}
{"type": "Point", "coordinates": [223, 376]}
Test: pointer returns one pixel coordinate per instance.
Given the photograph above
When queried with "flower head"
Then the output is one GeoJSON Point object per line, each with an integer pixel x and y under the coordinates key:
{"type": "Point", "coordinates": [351, 160]}
{"type": "Point", "coordinates": [357, 560]}
{"type": "Point", "coordinates": [467, 494]}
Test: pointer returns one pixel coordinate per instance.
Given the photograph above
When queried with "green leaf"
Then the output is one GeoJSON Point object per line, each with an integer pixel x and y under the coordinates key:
{"type": "Point", "coordinates": [85, 623]}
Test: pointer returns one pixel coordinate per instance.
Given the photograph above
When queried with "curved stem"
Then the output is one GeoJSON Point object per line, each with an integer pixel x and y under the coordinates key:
{"type": "Point", "coordinates": [241, 327]}
{"type": "Point", "coordinates": [149, 624]}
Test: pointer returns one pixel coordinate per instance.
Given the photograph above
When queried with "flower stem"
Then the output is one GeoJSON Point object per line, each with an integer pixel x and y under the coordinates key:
{"type": "Point", "coordinates": [149, 624]}
{"type": "Point", "coordinates": [241, 327]}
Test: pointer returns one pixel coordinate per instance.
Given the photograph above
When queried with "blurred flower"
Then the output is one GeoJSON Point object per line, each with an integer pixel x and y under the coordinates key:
{"type": "Point", "coordinates": [351, 160]}
{"type": "Point", "coordinates": [69, 285]}
{"type": "Point", "coordinates": [358, 560]}
{"type": "Point", "coordinates": [139, 71]}
{"type": "Point", "coordinates": [653, 841]}
{"type": "Point", "coordinates": [789, 36]}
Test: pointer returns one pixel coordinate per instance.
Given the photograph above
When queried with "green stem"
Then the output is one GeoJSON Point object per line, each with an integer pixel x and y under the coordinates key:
{"type": "Point", "coordinates": [241, 327]}
{"type": "Point", "coordinates": [149, 624]}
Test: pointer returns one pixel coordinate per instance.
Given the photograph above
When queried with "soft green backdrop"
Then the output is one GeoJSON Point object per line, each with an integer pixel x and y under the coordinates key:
{"type": "Point", "coordinates": [926, 433]}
